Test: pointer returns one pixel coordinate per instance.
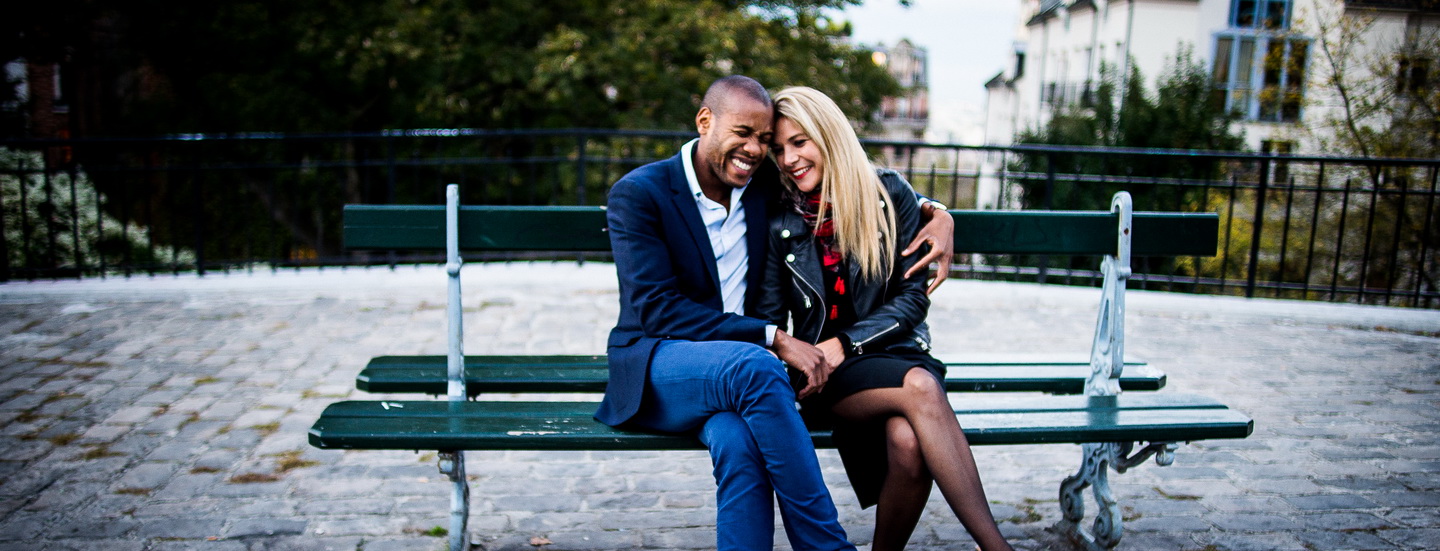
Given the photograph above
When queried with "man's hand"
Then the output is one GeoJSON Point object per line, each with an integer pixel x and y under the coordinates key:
{"type": "Point", "coordinates": [939, 233]}
{"type": "Point", "coordinates": [805, 357]}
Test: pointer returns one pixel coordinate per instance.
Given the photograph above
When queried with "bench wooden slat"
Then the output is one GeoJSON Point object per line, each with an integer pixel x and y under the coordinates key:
{"type": "Point", "coordinates": [1083, 233]}
{"type": "Point", "coordinates": [484, 374]}
{"type": "Point", "coordinates": [416, 425]}
{"type": "Point", "coordinates": [501, 228]}
{"type": "Point", "coordinates": [483, 228]}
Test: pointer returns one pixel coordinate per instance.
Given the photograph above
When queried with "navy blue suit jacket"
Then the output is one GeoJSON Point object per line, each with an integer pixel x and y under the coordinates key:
{"type": "Point", "coordinates": [669, 287]}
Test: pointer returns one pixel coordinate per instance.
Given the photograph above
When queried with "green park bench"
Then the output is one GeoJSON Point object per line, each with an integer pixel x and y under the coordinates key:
{"type": "Point", "coordinates": [1082, 404]}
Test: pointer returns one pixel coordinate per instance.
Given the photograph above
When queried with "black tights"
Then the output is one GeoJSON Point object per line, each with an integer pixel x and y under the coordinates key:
{"type": "Point", "coordinates": [924, 444]}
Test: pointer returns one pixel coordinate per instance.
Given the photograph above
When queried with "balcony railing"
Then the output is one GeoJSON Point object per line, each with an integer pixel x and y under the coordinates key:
{"type": "Point", "coordinates": [1060, 94]}
{"type": "Point", "coordinates": [1322, 228]}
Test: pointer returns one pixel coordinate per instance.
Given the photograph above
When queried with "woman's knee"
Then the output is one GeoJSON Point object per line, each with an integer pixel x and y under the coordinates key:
{"type": "Point", "coordinates": [903, 450]}
{"type": "Point", "coordinates": [924, 391]}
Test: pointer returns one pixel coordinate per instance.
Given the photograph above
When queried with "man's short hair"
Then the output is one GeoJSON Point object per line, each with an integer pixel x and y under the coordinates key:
{"type": "Point", "coordinates": [725, 89]}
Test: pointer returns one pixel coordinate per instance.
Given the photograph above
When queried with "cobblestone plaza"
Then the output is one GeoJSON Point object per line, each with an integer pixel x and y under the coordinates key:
{"type": "Point", "coordinates": [171, 413]}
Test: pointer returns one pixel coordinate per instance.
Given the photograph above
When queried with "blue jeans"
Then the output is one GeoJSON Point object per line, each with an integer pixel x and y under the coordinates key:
{"type": "Point", "coordinates": [739, 398]}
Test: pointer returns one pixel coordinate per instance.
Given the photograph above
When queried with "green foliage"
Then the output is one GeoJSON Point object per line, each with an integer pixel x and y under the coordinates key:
{"type": "Point", "coordinates": [1179, 115]}
{"type": "Point", "coordinates": [269, 65]}
{"type": "Point", "coordinates": [171, 66]}
{"type": "Point", "coordinates": [56, 225]}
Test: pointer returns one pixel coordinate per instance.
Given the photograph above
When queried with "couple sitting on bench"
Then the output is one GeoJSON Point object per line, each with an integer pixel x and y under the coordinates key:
{"type": "Point", "coordinates": [716, 252]}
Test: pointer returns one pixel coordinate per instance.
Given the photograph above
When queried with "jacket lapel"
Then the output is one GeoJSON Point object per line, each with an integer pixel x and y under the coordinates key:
{"type": "Point", "coordinates": [690, 212]}
{"type": "Point", "coordinates": [757, 222]}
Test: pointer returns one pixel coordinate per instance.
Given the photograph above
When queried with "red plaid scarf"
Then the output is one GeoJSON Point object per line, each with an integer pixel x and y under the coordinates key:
{"type": "Point", "coordinates": [825, 235]}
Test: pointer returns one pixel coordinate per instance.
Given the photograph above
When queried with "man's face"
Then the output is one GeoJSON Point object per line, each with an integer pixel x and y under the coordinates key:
{"type": "Point", "coordinates": [733, 142]}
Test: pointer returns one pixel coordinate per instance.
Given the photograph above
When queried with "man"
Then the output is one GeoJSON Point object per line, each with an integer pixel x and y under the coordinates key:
{"type": "Point", "coordinates": [684, 358]}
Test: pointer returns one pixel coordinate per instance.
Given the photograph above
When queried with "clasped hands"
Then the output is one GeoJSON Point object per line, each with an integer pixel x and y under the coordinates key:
{"type": "Point", "coordinates": [815, 361]}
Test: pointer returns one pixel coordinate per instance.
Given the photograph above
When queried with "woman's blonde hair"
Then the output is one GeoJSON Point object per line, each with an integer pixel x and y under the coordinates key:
{"type": "Point", "coordinates": [850, 185]}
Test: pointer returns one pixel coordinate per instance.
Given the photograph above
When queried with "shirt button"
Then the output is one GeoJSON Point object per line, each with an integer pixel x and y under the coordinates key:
{"type": "Point", "coordinates": [784, 233]}
{"type": "Point", "coordinates": [789, 258]}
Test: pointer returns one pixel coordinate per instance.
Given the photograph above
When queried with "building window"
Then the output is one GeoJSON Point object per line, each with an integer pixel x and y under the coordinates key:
{"type": "Point", "coordinates": [62, 93]}
{"type": "Point", "coordinates": [19, 91]}
{"type": "Point", "coordinates": [1260, 77]}
{"type": "Point", "coordinates": [1413, 75]}
{"type": "Point", "coordinates": [1260, 14]}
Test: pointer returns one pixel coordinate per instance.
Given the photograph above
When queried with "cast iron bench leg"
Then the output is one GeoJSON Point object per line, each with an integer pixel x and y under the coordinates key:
{"type": "Point", "coordinates": [452, 465]}
{"type": "Point", "coordinates": [1098, 459]}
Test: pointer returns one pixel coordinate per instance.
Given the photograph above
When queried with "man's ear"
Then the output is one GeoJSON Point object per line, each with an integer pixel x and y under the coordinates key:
{"type": "Point", "coordinates": [703, 119]}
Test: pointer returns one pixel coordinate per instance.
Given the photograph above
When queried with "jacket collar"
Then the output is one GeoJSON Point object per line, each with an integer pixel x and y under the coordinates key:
{"type": "Point", "coordinates": [684, 202]}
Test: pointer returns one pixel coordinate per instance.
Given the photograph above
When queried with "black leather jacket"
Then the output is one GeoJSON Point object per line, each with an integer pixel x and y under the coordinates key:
{"type": "Point", "coordinates": [891, 313]}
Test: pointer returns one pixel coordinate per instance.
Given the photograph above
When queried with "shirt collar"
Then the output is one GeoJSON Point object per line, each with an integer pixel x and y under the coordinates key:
{"type": "Point", "coordinates": [685, 155]}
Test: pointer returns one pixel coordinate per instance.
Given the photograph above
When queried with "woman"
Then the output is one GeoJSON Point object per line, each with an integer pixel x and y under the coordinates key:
{"type": "Point", "coordinates": [833, 268]}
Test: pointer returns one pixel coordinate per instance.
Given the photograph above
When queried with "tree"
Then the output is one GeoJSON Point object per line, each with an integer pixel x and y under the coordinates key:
{"type": "Point", "coordinates": [1377, 95]}
{"type": "Point", "coordinates": [1179, 115]}
{"type": "Point", "coordinates": [1380, 88]}
{"type": "Point", "coordinates": [173, 66]}
{"type": "Point", "coordinates": [155, 66]}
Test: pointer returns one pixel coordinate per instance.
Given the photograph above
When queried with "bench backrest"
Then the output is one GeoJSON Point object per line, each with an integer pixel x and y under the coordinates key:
{"type": "Point", "coordinates": [1116, 235]}
{"type": "Point", "coordinates": [496, 228]}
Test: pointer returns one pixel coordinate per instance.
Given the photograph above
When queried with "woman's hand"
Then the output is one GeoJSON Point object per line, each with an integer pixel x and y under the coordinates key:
{"type": "Point", "coordinates": [834, 352]}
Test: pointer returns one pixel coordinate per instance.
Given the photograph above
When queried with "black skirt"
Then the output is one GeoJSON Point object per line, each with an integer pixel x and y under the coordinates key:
{"type": "Point", "coordinates": [862, 445]}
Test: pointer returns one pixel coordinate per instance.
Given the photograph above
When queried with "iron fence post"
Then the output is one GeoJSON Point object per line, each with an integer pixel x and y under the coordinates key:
{"type": "Point", "coordinates": [23, 177]}
{"type": "Point", "coordinates": [1395, 238]}
{"type": "Point", "coordinates": [1044, 261]}
{"type": "Point", "coordinates": [1229, 224]}
{"type": "Point", "coordinates": [1285, 235]}
{"type": "Point", "coordinates": [100, 231]}
{"type": "Point", "coordinates": [50, 212]}
{"type": "Point", "coordinates": [1314, 223]}
{"type": "Point", "coordinates": [581, 143]}
{"type": "Point", "coordinates": [1259, 224]}
{"type": "Point", "coordinates": [4, 243]}
{"type": "Point", "coordinates": [1425, 238]}
{"type": "Point", "coordinates": [74, 226]}
{"type": "Point", "coordinates": [1339, 240]}
{"type": "Point", "coordinates": [199, 230]}
{"type": "Point", "coordinates": [126, 260]}
{"type": "Point", "coordinates": [390, 167]}
{"type": "Point", "coordinates": [1369, 235]}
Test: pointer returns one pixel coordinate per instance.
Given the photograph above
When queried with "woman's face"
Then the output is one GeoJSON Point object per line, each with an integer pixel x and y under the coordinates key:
{"type": "Point", "coordinates": [797, 156]}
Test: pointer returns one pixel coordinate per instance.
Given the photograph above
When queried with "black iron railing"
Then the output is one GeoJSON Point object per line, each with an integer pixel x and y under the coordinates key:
{"type": "Point", "coordinates": [1313, 227]}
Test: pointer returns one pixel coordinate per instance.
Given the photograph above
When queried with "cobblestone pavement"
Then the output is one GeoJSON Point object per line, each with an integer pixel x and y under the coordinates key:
{"type": "Point", "coordinates": [171, 413]}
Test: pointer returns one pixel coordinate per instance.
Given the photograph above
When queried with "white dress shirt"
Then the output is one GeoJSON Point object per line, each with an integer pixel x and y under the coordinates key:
{"type": "Point", "coordinates": [726, 229]}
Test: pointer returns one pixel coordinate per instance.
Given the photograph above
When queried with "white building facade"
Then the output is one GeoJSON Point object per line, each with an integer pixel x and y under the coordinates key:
{"type": "Point", "coordinates": [1261, 55]}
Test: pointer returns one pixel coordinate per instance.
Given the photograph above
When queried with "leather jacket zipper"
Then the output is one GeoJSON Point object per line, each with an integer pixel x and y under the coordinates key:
{"type": "Point", "coordinates": [819, 297]}
{"type": "Point", "coordinates": [859, 346]}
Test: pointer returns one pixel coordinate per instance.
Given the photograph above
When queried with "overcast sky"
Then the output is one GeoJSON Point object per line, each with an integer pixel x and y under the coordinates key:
{"type": "Point", "coordinates": [969, 41]}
